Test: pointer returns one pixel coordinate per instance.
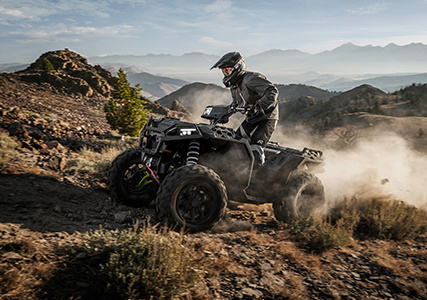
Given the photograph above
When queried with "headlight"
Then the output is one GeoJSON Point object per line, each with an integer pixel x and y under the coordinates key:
{"type": "Point", "coordinates": [187, 131]}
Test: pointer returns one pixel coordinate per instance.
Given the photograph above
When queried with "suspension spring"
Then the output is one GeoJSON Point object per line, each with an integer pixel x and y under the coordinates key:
{"type": "Point", "coordinates": [193, 153]}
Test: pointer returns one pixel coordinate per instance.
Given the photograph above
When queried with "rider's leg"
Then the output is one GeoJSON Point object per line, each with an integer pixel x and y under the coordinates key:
{"type": "Point", "coordinates": [258, 135]}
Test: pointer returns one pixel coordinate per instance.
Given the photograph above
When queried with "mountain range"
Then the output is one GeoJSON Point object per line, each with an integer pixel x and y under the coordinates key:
{"type": "Point", "coordinates": [388, 68]}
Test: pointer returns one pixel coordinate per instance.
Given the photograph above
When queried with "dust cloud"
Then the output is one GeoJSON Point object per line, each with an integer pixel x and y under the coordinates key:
{"type": "Point", "coordinates": [382, 164]}
{"type": "Point", "coordinates": [379, 164]}
{"type": "Point", "coordinates": [200, 100]}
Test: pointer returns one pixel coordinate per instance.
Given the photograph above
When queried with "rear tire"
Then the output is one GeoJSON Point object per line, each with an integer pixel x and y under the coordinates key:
{"type": "Point", "coordinates": [192, 196]}
{"type": "Point", "coordinates": [303, 194]}
{"type": "Point", "coordinates": [130, 181]}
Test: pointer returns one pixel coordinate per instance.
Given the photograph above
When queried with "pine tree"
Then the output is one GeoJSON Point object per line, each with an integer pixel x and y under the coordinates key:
{"type": "Point", "coordinates": [125, 110]}
{"type": "Point", "coordinates": [47, 65]}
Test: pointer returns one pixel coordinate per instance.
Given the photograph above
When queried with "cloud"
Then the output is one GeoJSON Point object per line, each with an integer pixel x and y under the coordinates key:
{"type": "Point", "coordinates": [101, 31]}
{"type": "Point", "coordinates": [219, 7]}
{"type": "Point", "coordinates": [61, 32]}
{"type": "Point", "coordinates": [213, 42]}
{"type": "Point", "coordinates": [38, 9]}
{"type": "Point", "coordinates": [369, 9]}
{"type": "Point", "coordinates": [13, 12]}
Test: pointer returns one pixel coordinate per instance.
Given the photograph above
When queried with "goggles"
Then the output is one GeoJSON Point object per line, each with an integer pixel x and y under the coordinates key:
{"type": "Point", "coordinates": [227, 71]}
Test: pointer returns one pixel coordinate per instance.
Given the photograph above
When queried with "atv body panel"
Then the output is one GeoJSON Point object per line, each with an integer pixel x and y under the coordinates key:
{"type": "Point", "coordinates": [166, 145]}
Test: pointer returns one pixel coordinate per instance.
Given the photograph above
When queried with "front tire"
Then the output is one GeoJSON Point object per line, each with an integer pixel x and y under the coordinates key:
{"type": "Point", "coordinates": [130, 181]}
{"type": "Point", "coordinates": [303, 194]}
{"type": "Point", "coordinates": [192, 196]}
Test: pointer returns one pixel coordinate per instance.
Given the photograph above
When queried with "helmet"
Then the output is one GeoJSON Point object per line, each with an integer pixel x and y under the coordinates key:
{"type": "Point", "coordinates": [233, 67]}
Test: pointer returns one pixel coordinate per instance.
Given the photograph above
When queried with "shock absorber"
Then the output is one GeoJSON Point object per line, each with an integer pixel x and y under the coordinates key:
{"type": "Point", "coordinates": [193, 153]}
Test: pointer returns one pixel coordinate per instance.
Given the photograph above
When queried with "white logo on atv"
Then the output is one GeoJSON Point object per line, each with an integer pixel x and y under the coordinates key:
{"type": "Point", "coordinates": [207, 111]}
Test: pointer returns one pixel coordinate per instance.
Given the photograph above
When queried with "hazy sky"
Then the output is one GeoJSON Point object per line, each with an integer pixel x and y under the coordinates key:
{"type": "Point", "coordinates": [29, 28]}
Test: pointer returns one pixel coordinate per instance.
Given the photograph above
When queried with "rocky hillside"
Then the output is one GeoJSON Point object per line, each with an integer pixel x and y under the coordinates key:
{"type": "Point", "coordinates": [192, 95]}
{"type": "Point", "coordinates": [295, 91]}
{"type": "Point", "coordinates": [363, 109]}
{"type": "Point", "coordinates": [70, 72]}
{"type": "Point", "coordinates": [65, 94]}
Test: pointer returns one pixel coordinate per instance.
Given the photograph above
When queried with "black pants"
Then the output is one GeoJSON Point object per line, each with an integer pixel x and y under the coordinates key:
{"type": "Point", "coordinates": [258, 135]}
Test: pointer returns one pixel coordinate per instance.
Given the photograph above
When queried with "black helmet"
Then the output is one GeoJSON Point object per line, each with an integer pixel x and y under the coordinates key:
{"type": "Point", "coordinates": [233, 67]}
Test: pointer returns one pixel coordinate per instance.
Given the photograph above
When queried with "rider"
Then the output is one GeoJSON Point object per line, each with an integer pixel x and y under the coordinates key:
{"type": "Point", "coordinates": [254, 92]}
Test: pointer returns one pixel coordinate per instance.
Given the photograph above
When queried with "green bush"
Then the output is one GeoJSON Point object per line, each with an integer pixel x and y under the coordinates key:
{"type": "Point", "coordinates": [143, 264]}
{"type": "Point", "coordinates": [125, 110]}
{"type": "Point", "coordinates": [47, 65]}
{"type": "Point", "coordinates": [324, 236]}
{"type": "Point", "coordinates": [321, 235]}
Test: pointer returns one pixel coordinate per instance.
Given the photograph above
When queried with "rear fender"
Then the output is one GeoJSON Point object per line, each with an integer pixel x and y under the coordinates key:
{"type": "Point", "coordinates": [232, 161]}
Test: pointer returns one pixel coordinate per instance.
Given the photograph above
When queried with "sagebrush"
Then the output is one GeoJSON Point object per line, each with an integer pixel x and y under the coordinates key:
{"type": "Point", "coordinates": [143, 263]}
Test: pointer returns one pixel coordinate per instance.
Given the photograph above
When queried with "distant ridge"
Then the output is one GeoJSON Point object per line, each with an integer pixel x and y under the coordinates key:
{"type": "Point", "coordinates": [193, 94]}
{"type": "Point", "coordinates": [154, 86]}
{"type": "Point", "coordinates": [342, 68]}
{"type": "Point", "coordinates": [293, 91]}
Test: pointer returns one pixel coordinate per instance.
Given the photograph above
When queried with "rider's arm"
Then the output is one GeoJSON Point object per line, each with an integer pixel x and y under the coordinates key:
{"type": "Point", "coordinates": [235, 96]}
{"type": "Point", "coordinates": [267, 91]}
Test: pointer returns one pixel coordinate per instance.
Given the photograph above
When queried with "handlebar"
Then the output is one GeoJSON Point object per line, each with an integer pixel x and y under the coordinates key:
{"type": "Point", "coordinates": [243, 110]}
{"type": "Point", "coordinates": [231, 111]}
{"type": "Point", "coordinates": [220, 114]}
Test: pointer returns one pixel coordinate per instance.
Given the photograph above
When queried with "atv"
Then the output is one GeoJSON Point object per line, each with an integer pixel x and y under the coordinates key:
{"type": "Point", "coordinates": [193, 171]}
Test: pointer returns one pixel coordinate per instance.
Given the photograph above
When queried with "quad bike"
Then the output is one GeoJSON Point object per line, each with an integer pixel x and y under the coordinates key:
{"type": "Point", "coordinates": [192, 170]}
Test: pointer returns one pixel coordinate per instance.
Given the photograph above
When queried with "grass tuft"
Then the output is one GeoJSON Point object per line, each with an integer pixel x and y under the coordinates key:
{"type": "Point", "coordinates": [380, 218]}
{"type": "Point", "coordinates": [143, 264]}
{"type": "Point", "coordinates": [391, 219]}
{"type": "Point", "coordinates": [320, 235]}
{"type": "Point", "coordinates": [7, 149]}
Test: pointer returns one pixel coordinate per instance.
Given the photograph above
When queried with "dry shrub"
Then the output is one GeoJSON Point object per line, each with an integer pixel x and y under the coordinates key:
{"type": "Point", "coordinates": [143, 264]}
{"type": "Point", "coordinates": [394, 220]}
{"type": "Point", "coordinates": [389, 265]}
{"type": "Point", "coordinates": [294, 287]}
{"type": "Point", "coordinates": [7, 149]}
{"type": "Point", "coordinates": [91, 162]}
{"type": "Point", "coordinates": [324, 236]}
{"type": "Point", "coordinates": [318, 236]}
{"type": "Point", "coordinates": [25, 262]}
{"type": "Point", "coordinates": [388, 218]}
{"type": "Point", "coordinates": [381, 217]}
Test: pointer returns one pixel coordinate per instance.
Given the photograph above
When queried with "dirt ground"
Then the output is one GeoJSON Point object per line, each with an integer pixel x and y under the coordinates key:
{"type": "Point", "coordinates": [252, 257]}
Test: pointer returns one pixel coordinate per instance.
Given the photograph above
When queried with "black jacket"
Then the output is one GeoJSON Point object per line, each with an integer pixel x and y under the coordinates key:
{"type": "Point", "coordinates": [255, 88]}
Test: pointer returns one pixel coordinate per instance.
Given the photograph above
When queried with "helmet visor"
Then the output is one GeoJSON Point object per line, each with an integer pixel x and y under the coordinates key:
{"type": "Point", "coordinates": [227, 71]}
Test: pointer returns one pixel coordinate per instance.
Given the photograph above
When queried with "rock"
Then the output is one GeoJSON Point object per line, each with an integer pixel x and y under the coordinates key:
{"type": "Point", "coordinates": [251, 293]}
{"type": "Point", "coordinates": [120, 217]}
{"type": "Point", "coordinates": [69, 180]}
{"type": "Point", "coordinates": [53, 144]}
{"type": "Point", "coordinates": [12, 256]}
{"type": "Point", "coordinates": [266, 266]}
{"type": "Point", "coordinates": [56, 163]}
